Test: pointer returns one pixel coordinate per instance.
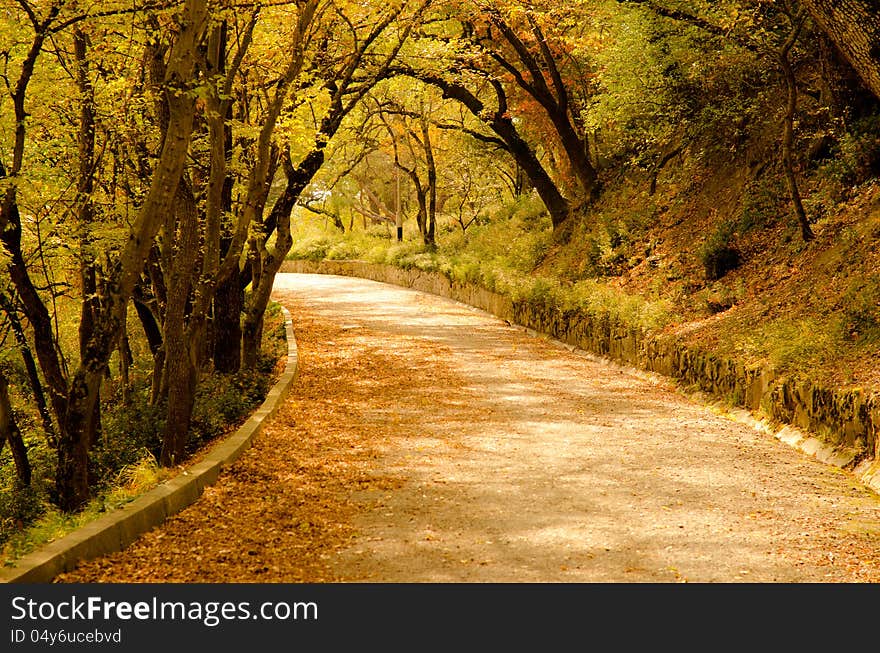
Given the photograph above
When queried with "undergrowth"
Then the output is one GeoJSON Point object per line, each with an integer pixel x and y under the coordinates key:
{"type": "Point", "coordinates": [123, 462]}
{"type": "Point", "coordinates": [501, 254]}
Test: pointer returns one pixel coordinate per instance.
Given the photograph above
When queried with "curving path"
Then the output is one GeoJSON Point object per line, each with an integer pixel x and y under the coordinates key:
{"type": "Point", "coordinates": [428, 441]}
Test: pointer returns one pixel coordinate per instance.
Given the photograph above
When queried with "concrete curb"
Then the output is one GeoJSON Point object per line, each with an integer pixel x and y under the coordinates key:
{"type": "Point", "coordinates": [119, 528]}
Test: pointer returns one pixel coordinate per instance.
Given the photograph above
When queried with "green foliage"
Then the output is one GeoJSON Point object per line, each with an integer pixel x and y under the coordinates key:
{"type": "Point", "coordinates": [760, 205]}
{"type": "Point", "coordinates": [19, 505]}
{"type": "Point", "coordinates": [792, 345]}
{"type": "Point", "coordinates": [222, 401]}
{"type": "Point", "coordinates": [503, 255]}
{"type": "Point", "coordinates": [404, 254]}
{"type": "Point", "coordinates": [543, 292]}
{"type": "Point", "coordinates": [856, 156]}
{"type": "Point", "coordinates": [607, 244]}
{"type": "Point", "coordinates": [123, 460]}
{"type": "Point", "coordinates": [46, 523]}
{"type": "Point", "coordinates": [661, 81]}
{"type": "Point", "coordinates": [717, 254]}
{"type": "Point", "coordinates": [128, 432]}
{"type": "Point", "coordinates": [341, 251]}
{"type": "Point", "coordinates": [312, 249]}
{"type": "Point", "coordinates": [597, 298]}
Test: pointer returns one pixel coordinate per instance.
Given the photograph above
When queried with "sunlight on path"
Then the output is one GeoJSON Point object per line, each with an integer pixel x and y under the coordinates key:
{"type": "Point", "coordinates": [540, 465]}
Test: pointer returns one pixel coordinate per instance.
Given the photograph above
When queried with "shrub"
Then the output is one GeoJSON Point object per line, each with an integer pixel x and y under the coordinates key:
{"type": "Point", "coordinates": [19, 507]}
{"type": "Point", "coordinates": [858, 153]}
{"type": "Point", "coordinates": [223, 400]}
{"type": "Point", "coordinates": [128, 431]}
{"type": "Point", "coordinates": [760, 205]}
{"type": "Point", "coordinates": [343, 250]}
{"type": "Point", "coordinates": [791, 345]}
{"type": "Point", "coordinates": [312, 249]}
{"type": "Point", "coordinates": [717, 254]}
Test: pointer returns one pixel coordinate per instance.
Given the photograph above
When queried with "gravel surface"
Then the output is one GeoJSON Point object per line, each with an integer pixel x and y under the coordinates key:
{"type": "Point", "coordinates": [426, 441]}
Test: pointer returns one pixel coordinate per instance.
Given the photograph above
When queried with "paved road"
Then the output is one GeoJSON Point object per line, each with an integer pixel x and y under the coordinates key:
{"type": "Point", "coordinates": [428, 441]}
{"type": "Point", "coordinates": [530, 463]}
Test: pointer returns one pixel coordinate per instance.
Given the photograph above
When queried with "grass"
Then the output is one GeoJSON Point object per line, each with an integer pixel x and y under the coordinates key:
{"type": "Point", "coordinates": [500, 255]}
{"type": "Point", "coordinates": [132, 481]}
{"type": "Point", "coordinates": [791, 344]}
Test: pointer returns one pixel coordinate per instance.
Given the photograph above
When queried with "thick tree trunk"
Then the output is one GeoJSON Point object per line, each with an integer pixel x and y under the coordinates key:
{"type": "Point", "coordinates": [227, 324]}
{"type": "Point", "coordinates": [76, 438]}
{"type": "Point", "coordinates": [557, 205]}
{"type": "Point", "coordinates": [180, 369]}
{"type": "Point", "coordinates": [251, 337]}
{"type": "Point", "coordinates": [576, 151]}
{"type": "Point", "coordinates": [842, 89]}
{"type": "Point", "coordinates": [854, 27]}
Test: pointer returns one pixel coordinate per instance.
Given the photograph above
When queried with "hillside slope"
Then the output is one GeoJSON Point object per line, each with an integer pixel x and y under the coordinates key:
{"type": "Point", "coordinates": [809, 309]}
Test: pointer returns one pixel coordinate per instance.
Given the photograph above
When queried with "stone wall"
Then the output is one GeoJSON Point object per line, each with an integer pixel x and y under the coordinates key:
{"type": "Point", "coordinates": [845, 422]}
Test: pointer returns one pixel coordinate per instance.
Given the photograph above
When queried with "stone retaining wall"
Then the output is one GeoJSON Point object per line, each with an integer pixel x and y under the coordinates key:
{"type": "Point", "coordinates": [845, 422]}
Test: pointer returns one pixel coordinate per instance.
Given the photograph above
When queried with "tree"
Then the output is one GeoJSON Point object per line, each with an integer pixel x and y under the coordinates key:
{"type": "Point", "coordinates": [347, 67]}
{"type": "Point", "coordinates": [768, 33]}
{"type": "Point", "coordinates": [74, 396]}
{"type": "Point", "coordinates": [9, 432]}
{"type": "Point", "coordinates": [533, 59]}
{"type": "Point", "coordinates": [853, 26]}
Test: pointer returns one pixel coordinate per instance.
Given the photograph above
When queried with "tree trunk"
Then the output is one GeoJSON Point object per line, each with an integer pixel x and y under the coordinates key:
{"type": "Point", "coordinates": [431, 209]}
{"type": "Point", "coordinates": [842, 89]}
{"type": "Point", "coordinates": [251, 336]}
{"type": "Point", "coordinates": [227, 324]}
{"type": "Point", "coordinates": [788, 131]}
{"type": "Point", "coordinates": [32, 304]}
{"type": "Point", "coordinates": [77, 428]}
{"type": "Point", "coordinates": [297, 179]}
{"type": "Point", "coordinates": [9, 432]}
{"type": "Point", "coordinates": [557, 206]}
{"type": "Point", "coordinates": [501, 123]}
{"type": "Point", "coordinates": [152, 332]}
{"type": "Point", "coordinates": [31, 367]}
{"type": "Point", "coordinates": [76, 437]}
{"type": "Point", "coordinates": [854, 27]}
{"type": "Point", "coordinates": [180, 369]}
{"type": "Point", "coordinates": [422, 215]}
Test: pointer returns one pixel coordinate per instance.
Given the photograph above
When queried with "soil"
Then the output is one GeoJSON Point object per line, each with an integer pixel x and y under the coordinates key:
{"type": "Point", "coordinates": [426, 441]}
{"type": "Point", "coordinates": [808, 309]}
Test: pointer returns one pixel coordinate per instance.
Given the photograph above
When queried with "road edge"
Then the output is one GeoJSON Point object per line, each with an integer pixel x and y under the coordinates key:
{"type": "Point", "coordinates": [867, 472]}
{"type": "Point", "coordinates": [119, 528]}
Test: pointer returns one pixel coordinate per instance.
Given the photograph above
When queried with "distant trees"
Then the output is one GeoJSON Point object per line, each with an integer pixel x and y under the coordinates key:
{"type": "Point", "coordinates": [508, 64]}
